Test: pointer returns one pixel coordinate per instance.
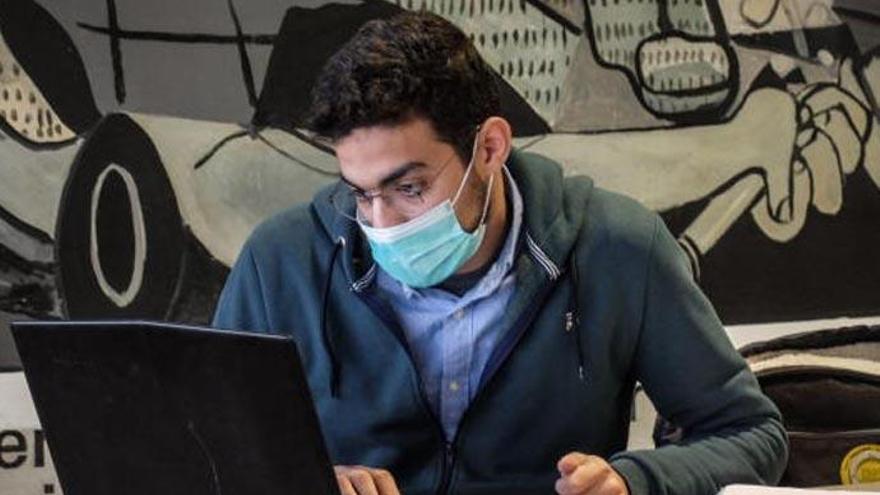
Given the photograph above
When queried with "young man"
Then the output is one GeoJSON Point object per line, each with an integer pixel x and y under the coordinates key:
{"type": "Point", "coordinates": [470, 321]}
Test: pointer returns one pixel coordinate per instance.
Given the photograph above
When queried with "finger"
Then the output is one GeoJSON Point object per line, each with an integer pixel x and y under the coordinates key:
{"type": "Point", "coordinates": [345, 487]}
{"type": "Point", "coordinates": [564, 486]}
{"type": "Point", "coordinates": [849, 81]}
{"type": "Point", "coordinates": [576, 486]}
{"type": "Point", "coordinates": [843, 136]}
{"type": "Point", "coordinates": [823, 160]}
{"type": "Point", "coordinates": [363, 482]}
{"type": "Point", "coordinates": [584, 477]}
{"type": "Point", "coordinates": [826, 97]}
{"type": "Point", "coordinates": [570, 462]}
{"type": "Point", "coordinates": [590, 474]}
{"type": "Point", "coordinates": [385, 482]}
{"type": "Point", "coordinates": [784, 224]}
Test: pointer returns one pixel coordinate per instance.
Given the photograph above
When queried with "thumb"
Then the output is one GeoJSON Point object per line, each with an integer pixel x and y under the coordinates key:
{"type": "Point", "coordinates": [570, 462]}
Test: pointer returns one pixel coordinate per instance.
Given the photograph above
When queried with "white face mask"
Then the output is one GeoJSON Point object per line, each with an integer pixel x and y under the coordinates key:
{"type": "Point", "coordinates": [428, 249]}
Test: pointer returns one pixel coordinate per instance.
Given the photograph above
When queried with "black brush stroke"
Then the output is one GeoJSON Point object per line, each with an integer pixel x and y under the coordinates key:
{"type": "Point", "coordinates": [836, 39]}
{"type": "Point", "coordinates": [220, 39]}
{"type": "Point", "coordinates": [24, 227]}
{"type": "Point", "coordinates": [246, 71]}
{"type": "Point", "coordinates": [713, 9]}
{"type": "Point", "coordinates": [664, 23]}
{"type": "Point", "coordinates": [24, 265]}
{"type": "Point", "coordinates": [296, 160]}
{"type": "Point", "coordinates": [758, 25]}
{"type": "Point", "coordinates": [115, 51]}
{"type": "Point", "coordinates": [555, 16]}
{"type": "Point", "coordinates": [214, 149]}
{"type": "Point", "coordinates": [255, 134]}
{"type": "Point", "coordinates": [315, 143]}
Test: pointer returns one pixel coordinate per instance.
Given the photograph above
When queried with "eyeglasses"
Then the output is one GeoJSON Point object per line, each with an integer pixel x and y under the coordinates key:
{"type": "Point", "coordinates": [405, 196]}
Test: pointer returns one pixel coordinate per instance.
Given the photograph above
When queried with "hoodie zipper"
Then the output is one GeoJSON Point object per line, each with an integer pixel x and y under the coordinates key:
{"type": "Point", "coordinates": [448, 448]}
{"type": "Point", "coordinates": [448, 464]}
{"type": "Point", "coordinates": [451, 447]}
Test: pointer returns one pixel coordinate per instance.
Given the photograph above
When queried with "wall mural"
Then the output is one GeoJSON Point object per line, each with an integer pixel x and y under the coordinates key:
{"type": "Point", "coordinates": [140, 142]}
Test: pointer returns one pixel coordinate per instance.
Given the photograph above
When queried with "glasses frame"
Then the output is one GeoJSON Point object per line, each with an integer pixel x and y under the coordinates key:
{"type": "Point", "coordinates": [345, 197]}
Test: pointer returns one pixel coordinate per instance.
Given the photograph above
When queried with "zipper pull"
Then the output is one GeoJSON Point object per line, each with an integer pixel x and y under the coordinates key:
{"type": "Point", "coordinates": [569, 321]}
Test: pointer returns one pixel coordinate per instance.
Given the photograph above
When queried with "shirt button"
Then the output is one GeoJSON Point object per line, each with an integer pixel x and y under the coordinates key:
{"type": "Point", "coordinates": [453, 385]}
{"type": "Point", "coordinates": [459, 314]}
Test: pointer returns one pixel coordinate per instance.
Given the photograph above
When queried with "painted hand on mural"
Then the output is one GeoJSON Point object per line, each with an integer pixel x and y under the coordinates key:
{"type": "Point", "coordinates": [834, 127]}
{"type": "Point", "coordinates": [826, 132]}
{"type": "Point", "coordinates": [779, 154]}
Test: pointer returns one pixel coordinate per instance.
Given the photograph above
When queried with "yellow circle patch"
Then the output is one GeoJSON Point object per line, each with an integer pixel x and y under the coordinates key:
{"type": "Point", "coordinates": [861, 465]}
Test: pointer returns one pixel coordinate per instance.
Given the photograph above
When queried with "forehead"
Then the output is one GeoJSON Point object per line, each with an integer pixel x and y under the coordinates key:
{"type": "Point", "coordinates": [368, 154]}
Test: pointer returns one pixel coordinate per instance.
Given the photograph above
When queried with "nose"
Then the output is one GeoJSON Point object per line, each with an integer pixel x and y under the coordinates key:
{"type": "Point", "coordinates": [382, 214]}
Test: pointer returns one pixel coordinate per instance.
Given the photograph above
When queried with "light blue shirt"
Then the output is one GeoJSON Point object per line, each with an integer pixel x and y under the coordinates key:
{"type": "Point", "coordinates": [451, 338]}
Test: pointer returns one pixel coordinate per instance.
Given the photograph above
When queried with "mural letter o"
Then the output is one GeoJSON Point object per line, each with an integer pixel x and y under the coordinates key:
{"type": "Point", "coordinates": [120, 239]}
{"type": "Point", "coordinates": [137, 232]}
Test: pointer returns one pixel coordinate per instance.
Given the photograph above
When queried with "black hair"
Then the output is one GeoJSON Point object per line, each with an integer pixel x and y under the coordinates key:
{"type": "Point", "coordinates": [414, 64]}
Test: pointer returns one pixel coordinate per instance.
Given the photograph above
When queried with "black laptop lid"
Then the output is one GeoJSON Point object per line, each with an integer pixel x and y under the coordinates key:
{"type": "Point", "coordinates": [146, 408]}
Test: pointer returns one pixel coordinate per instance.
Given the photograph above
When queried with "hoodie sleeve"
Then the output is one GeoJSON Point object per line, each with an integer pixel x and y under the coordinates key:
{"type": "Point", "coordinates": [732, 433]}
{"type": "Point", "coordinates": [241, 305]}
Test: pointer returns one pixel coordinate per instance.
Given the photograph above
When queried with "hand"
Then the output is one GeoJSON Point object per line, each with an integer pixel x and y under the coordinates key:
{"type": "Point", "coordinates": [833, 134]}
{"type": "Point", "coordinates": [583, 474]}
{"type": "Point", "coordinates": [362, 480]}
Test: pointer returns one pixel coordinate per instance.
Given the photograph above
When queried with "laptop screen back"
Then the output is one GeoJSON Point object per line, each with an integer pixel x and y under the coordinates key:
{"type": "Point", "coordinates": [146, 409]}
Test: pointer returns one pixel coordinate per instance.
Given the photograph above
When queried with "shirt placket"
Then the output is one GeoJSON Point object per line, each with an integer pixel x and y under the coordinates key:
{"type": "Point", "coordinates": [457, 354]}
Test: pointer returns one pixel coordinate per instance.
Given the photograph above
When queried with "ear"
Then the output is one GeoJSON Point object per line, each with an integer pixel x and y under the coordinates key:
{"type": "Point", "coordinates": [495, 139]}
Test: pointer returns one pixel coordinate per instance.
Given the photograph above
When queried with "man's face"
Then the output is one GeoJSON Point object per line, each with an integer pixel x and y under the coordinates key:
{"type": "Point", "coordinates": [399, 172]}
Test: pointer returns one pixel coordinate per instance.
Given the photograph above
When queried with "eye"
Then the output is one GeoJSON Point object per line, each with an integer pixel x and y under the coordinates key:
{"type": "Point", "coordinates": [409, 189]}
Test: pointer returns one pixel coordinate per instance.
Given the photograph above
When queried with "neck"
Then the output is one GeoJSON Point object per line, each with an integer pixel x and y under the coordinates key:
{"type": "Point", "coordinates": [496, 228]}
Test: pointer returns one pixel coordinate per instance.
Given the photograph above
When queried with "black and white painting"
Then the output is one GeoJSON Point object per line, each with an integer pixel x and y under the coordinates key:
{"type": "Point", "coordinates": [140, 142]}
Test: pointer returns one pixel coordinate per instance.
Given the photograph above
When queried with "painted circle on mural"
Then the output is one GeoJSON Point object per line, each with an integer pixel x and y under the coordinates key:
{"type": "Point", "coordinates": [117, 228]}
{"type": "Point", "coordinates": [861, 465]}
{"type": "Point", "coordinates": [120, 239]}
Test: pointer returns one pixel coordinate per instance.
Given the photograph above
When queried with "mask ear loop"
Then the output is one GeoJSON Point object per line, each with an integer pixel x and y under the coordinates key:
{"type": "Point", "coordinates": [488, 198]}
{"type": "Point", "coordinates": [469, 168]}
{"type": "Point", "coordinates": [464, 181]}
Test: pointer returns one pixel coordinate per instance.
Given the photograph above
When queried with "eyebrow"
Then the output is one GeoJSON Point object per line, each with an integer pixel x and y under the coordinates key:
{"type": "Point", "coordinates": [399, 172]}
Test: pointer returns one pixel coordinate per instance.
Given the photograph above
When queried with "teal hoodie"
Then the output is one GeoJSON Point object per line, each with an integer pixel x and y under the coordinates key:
{"type": "Point", "coordinates": [604, 299]}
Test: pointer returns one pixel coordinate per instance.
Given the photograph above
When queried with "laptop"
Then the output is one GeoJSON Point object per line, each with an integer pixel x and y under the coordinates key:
{"type": "Point", "coordinates": [147, 408]}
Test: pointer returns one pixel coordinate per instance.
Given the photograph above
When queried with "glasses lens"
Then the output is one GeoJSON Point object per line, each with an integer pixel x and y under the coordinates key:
{"type": "Point", "coordinates": [406, 200]}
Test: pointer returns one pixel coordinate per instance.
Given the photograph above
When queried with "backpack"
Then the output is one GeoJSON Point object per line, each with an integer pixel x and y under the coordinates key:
{"type": "Point", "coordinates": [827, 386]}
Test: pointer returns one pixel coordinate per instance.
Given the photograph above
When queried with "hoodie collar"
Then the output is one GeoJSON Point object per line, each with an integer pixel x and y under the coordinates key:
{"type": "Point", "coordinates": [554, 209]}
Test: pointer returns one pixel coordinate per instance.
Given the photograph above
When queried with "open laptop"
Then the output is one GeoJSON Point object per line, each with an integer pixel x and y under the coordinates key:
{"type": "Point", "coordinates": [152, 408]}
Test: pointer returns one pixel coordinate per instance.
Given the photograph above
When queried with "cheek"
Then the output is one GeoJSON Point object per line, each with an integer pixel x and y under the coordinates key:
{"type": "Point", "coordinates": [470, 207]}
